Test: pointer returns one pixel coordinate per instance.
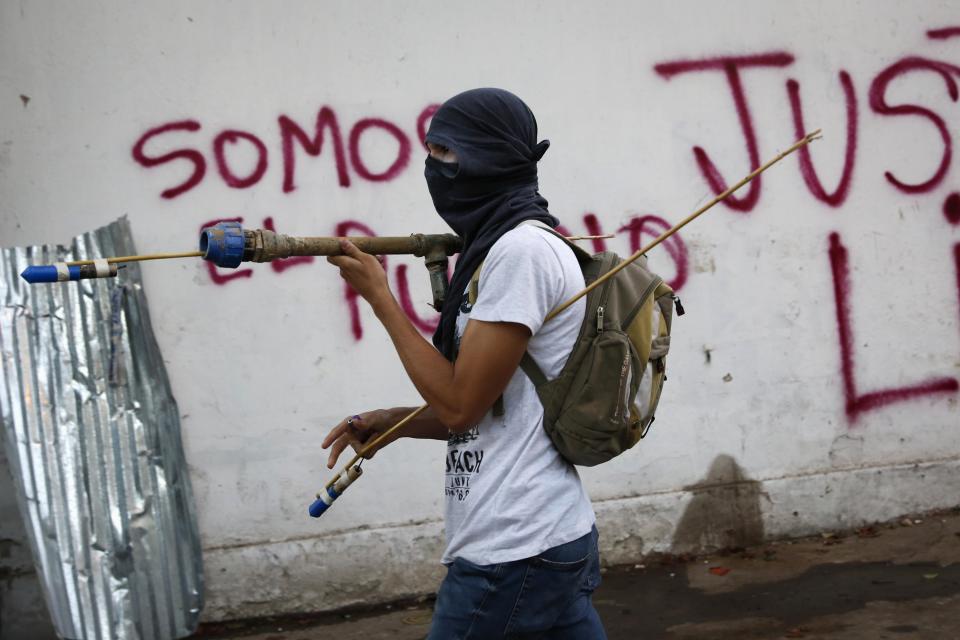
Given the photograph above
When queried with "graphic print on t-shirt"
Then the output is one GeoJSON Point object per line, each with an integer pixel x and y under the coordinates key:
{"type": "Point", "coordinates": [464, 454]}
{"type": "Point", "coordinates": [463, 462]}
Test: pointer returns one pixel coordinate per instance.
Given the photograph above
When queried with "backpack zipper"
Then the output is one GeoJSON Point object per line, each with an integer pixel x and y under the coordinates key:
{"type": "Point", "coordinates": [676, 302]}
{"type": "Point", "coordinates": [623, 392]}
{"type": "Point", "coordinates": [604, 294]}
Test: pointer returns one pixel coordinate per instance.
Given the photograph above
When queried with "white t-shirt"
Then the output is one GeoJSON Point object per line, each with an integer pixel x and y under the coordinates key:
{"type": "Point", "coordinates": [509, 493]}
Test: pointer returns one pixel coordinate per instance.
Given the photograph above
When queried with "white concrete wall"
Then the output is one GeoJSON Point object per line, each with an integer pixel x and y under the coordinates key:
{"type": "Point", "coordinates": [769, 426]}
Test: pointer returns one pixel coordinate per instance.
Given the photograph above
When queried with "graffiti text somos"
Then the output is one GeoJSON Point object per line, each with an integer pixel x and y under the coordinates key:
{"type": "Point", "coordinates": [324, 136]}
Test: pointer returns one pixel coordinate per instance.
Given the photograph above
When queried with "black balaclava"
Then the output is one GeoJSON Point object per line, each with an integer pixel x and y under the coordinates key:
{"type": "Point", "coordinates": [490, 190]}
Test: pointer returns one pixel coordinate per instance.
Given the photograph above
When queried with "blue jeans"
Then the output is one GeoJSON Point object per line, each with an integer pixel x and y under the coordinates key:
{"type": "Point", "coordinates": [547, 596]}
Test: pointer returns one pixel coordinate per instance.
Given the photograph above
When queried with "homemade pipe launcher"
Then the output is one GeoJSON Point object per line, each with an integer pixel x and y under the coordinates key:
{"type": "Point", "coordinates": [227, 244]}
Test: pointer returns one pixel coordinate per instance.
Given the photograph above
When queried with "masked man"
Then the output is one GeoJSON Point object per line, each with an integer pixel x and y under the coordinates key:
{"type": "Point", "coordinates": [521, 542]}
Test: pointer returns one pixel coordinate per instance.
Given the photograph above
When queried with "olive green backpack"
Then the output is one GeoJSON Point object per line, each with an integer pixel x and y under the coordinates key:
{"type": "Point", "coordinates": [604, 399]}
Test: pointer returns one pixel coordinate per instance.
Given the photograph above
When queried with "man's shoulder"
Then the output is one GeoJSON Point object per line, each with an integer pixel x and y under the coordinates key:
{"type": "Point", "coordinates": [529, 242]}
{"type": "Point", "coordinates": [524, 233]}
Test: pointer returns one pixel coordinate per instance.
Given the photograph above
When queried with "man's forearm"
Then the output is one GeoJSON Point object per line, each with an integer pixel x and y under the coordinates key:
{"type": "Point", "coordinates": [489, 355]}
{"type": "Point", "coordinates": [425, 426]}
{"type": "Point", "coordinates": [430, 372]}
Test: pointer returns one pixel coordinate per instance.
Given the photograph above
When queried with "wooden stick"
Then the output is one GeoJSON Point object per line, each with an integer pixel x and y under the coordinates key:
{"type": "Point", "coordinates": [149, 256]}
{"type": "Point", "coordinates": [807, 139]}
{"type": "Point", "coordinates": [603, 237]}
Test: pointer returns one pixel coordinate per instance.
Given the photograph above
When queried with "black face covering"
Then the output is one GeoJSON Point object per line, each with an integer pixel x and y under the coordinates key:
{"type": "Point", "coordinates": [490, 190]}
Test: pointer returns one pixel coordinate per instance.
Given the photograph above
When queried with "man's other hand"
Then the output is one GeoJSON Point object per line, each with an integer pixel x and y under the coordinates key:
{"type": "Point", "coordinates": [355, 431]}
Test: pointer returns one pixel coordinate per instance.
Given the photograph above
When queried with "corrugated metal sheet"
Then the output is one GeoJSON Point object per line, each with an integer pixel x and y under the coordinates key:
{"type": "Point", "coordinates": [92, 433]}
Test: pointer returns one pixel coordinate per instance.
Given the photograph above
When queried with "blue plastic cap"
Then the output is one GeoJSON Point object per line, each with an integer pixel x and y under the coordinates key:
{"type": "Point", "coordinates": [222, 244]}
{"type": "Point", "coordinates": [46, 273]}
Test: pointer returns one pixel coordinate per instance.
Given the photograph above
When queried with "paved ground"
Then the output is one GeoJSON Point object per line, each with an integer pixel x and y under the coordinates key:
{"type": "Point", "coordinates": [898, 580]}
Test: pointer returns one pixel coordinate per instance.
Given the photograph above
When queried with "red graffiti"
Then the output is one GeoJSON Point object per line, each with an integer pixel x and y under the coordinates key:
{"type": "Point", "coordinates": [943, 34]}
{"type": "Point", "coordinates": [219, 153]}
{"type": "Point", "coordinates": [422, 121]}
{"type": "Point", "coordinates": [951, 208]}
{"type": "Point", "coordinates": [731, 66]}
{"type": "Point", "coordinates": [676, 248]}
{"type": "Point", "coordinates": [326, 137]}
{"type": "Point", "coordinates": [214, 271]}
{"type": "Point", "coordinates": [879, 104]}
{"type": "Point", "coordinates": [857, 403]}
{"type": "Point", "coordinates": [284, 263]}
{"type": "Point", "coordinates": [403, 150]}
{"type": "Point", "coordinates": [191, 155]}
{"type": "Point", "coordinates": [290, 131]}
{"type": "Point", "coordinates": [406, 303]}
{"type": "Point", "coordinates": [809, 174]}
{"type": "Point", "coordinates": [345, 229]}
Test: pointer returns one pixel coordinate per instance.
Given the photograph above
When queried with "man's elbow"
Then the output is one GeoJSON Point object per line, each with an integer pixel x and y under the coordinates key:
{"type": "Point", "coordinates": [461, 419]}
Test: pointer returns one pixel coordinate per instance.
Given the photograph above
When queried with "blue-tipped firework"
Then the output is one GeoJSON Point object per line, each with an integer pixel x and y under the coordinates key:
{"type": "Point", "coordinates": [222, 244]}
{"type": "Point", "coordinates": [64, 272]}
{"type": "Point", "coordinates": [86, 269]}
{"type": "Point", "coordinates": [334, 490]}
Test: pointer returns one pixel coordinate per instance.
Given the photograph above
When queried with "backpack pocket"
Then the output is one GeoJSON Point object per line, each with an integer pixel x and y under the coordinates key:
{"type": "Point", "coordinates": [651, 330]}
{"type": "Point", "coordinates": [597, 417]}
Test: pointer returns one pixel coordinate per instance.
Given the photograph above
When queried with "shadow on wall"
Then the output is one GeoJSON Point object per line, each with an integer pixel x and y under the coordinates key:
{"type": "Point", "coordinates": [724, 512]}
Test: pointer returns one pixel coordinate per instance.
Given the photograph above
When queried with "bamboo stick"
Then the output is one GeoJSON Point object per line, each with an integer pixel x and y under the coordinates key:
{"type": "Point", "coordinates": [605, 236]}
{"type": "Point", "coordinates": [807, 139]}
{"type": "Point", "coordinates": [148, 256]}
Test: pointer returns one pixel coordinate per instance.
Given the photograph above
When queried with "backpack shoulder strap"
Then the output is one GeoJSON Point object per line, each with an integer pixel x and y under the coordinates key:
{"type": "Point", "coordinates": [473, 288]}
{"type": "Point", "coordinates": [534, 372]}
{"type": "Point", "coordinates": [527, 363]}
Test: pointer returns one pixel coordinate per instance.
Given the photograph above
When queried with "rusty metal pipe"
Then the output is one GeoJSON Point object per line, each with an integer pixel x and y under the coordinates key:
{"type": "Point", "coordinates": [261, 245]}
{"type": "Point", "coordinates": [227, 244]}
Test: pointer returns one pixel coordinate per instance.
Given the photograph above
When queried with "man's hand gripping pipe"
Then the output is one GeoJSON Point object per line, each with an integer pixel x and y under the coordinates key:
{"type": "Point", "coordinates": [351, 471]}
